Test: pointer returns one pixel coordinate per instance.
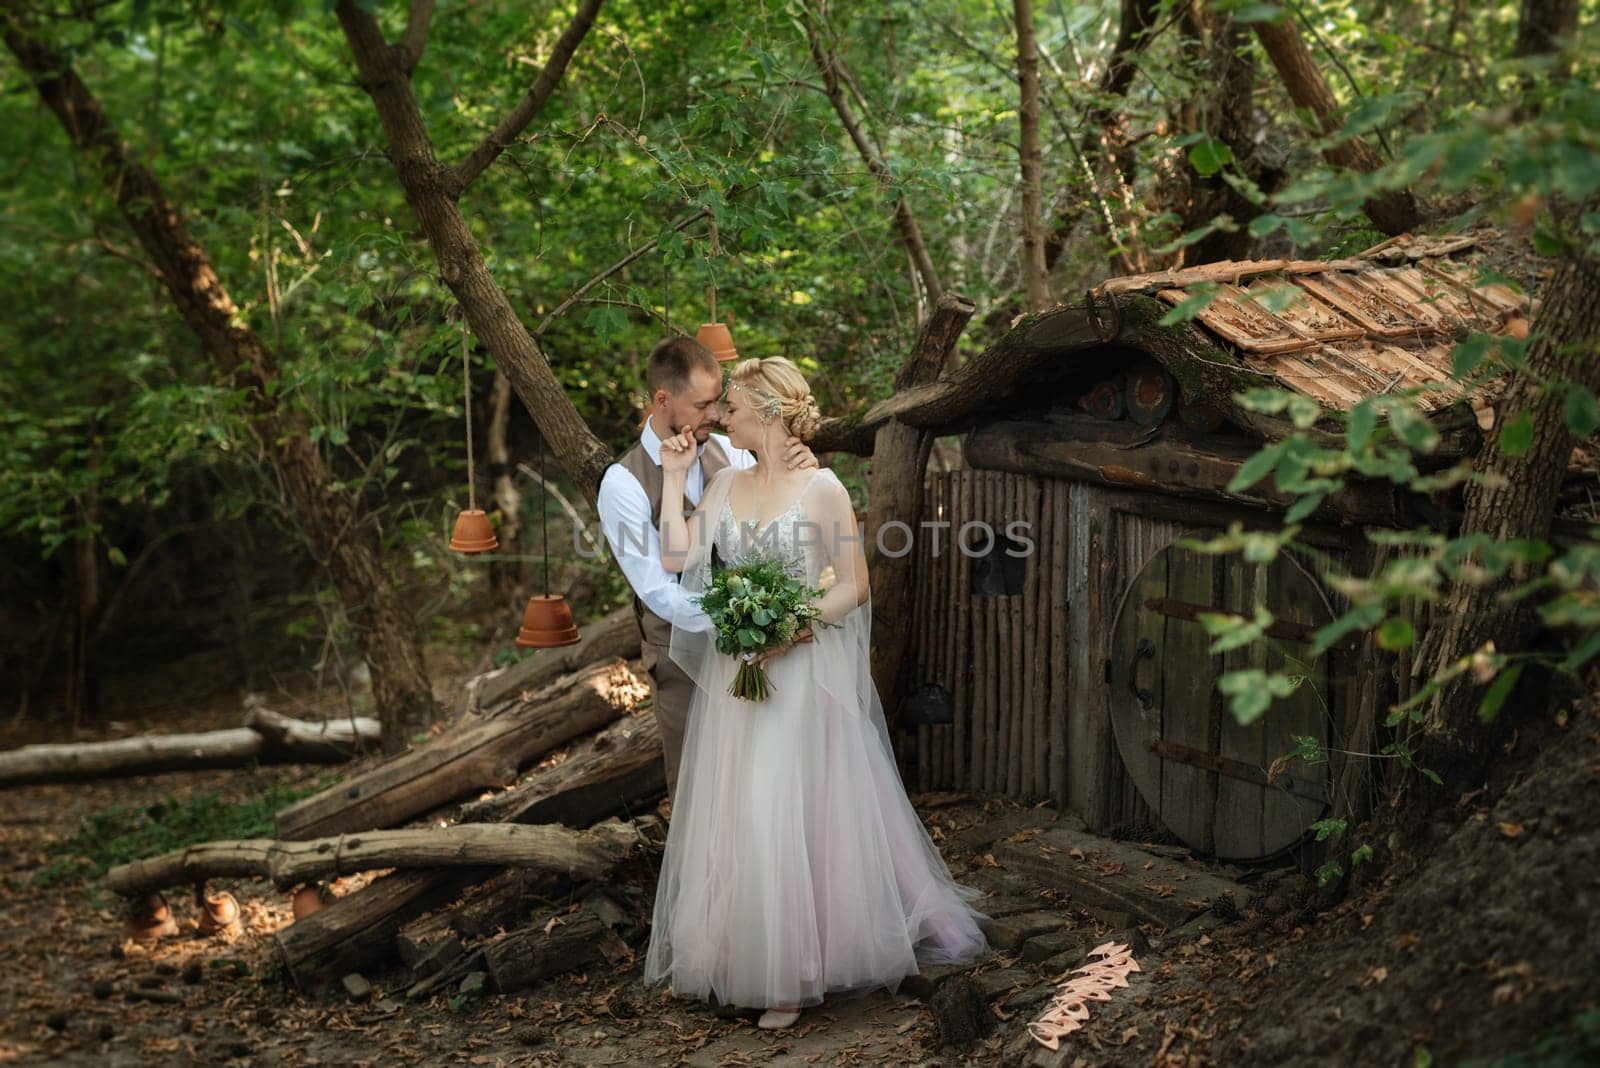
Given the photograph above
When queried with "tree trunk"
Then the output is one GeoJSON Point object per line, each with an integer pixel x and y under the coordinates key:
{"type": "Point", "coordinates": [1393, 212]}
{"type": "Point", "coordinates": [270, 740]}
{"type": "Point", "coordinates": [1542, 29]}
{"type": "Point", "coordinates": [550, 847]}
{"type": "Point", "coordinates": [894, 492]}
{"type": "Point", "coordinates": [1514, 498]}
{"type": "Point", "coordinates": [1036, 282]}
{"type": "Point", "coordinates": [479, 754]}
{"type": "Point", "coordinates": [382, 622]}
{"type": "Point", "coordinates": [1543, 26]}
{"type": "Point", "coordinates": [83, 574]}
{"type": "Point", "coordinates": [1226, 114]}
{"type": "Point", "coordinates": [433, 190]}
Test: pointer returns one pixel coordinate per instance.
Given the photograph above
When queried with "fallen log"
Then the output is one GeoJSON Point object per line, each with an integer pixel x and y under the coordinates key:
{"type": "Point", "coordinates": [329, 741]}
{"type": "Point", "coordinates": [428, 942]}
{"type": "Point", "coordinates": [360, 929]}
{"type": "Point", "coordinates": [360, 933]}
{"type": "Point", "coordinates": [614, 636]}
{"type": "Point", "coordinates": [269, 738]}
{"type": "Point", "coordinates": [616, 769]}
{"type": "Point", "coordinates": [561, 944]}
{"type": "Point", "coordinates": [545, 847]}
{"type": "Point", "coordinates": [477, 754]}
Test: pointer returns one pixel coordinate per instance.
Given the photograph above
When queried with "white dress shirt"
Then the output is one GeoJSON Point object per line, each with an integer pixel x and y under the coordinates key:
{"type": "Point", "coordinates": [625, 515]}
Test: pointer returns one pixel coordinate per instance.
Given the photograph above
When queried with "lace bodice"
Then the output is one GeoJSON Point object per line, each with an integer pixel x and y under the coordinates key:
{"type": "Point", "coordinates": [786, 536]}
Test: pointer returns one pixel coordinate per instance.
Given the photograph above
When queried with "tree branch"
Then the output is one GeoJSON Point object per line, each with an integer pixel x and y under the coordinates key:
{"type": "Point", "coordinates": [509, 128]}
{"type": "Point", "coordinates": [415, 37]}
{"type": "Point", "coordinates": [643, 249]}
{"type": "Point", "coordinates": [905, 219]}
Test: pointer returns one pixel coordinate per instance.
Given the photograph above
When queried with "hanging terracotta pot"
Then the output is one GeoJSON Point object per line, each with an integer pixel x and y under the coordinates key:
{"type": "Point", "coordinates": [473, 532]}
{"type": "Point", "coordinates": [716, 337]}
{"type": "Point", "coordinates": [547, 623]}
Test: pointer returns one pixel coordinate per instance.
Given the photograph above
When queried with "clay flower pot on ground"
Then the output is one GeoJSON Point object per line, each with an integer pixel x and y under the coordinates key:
{"type": "Point", "coordinates": [547, 623]}
{"type": "Point", "coordinates": [219, 913]}
{"type": "Point", "coordinates": [473, 533]}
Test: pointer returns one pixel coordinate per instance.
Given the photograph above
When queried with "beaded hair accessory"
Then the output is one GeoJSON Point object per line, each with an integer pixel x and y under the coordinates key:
{"type": "Point", "coordinates": [766, 405]}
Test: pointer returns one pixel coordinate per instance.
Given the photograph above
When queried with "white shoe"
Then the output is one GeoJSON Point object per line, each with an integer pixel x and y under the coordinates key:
{"type": "Point", "coordinates": [778, 1019]}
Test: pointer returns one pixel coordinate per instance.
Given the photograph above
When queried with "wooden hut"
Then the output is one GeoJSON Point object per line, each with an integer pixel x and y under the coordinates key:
{"type": "Point", "coordinates": [1065, 660]}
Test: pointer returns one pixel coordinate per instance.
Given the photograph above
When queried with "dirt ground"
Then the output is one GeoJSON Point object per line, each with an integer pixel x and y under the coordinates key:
{"type": "Point", "coordinates": [1484, 951]}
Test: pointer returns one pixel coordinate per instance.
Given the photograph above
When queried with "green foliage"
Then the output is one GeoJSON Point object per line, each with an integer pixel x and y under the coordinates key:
{"type": "Point", "coordinates": [1573, 1045]}
{"type": "Point", "coordinates": [124, 833]}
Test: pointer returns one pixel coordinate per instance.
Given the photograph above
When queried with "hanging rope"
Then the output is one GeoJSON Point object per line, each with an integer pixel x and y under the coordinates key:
{"type": "Point", "coordinates": [544, 509]}
{"type": "Point", "coordinates": [466, 404]}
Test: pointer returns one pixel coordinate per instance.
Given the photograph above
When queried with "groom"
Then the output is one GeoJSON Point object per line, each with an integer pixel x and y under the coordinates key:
{"type": "Point", "coordinates": [685, 385]}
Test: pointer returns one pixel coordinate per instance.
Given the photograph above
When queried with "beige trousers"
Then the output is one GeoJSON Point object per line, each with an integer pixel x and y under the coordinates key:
{"type": "Point", "coordinates": [672, 693]}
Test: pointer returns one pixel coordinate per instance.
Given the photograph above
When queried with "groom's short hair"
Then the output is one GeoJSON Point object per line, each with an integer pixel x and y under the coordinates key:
{"type": "Point", "coordinates": [673, 360]}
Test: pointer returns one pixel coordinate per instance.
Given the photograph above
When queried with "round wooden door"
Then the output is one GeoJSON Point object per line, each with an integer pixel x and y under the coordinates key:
{"type": "Point", "coordinates": [1225, 789]}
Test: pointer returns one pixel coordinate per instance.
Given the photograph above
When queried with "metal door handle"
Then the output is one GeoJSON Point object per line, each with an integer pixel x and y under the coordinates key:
{"type": "Point", "coordinates": [1146, 648]}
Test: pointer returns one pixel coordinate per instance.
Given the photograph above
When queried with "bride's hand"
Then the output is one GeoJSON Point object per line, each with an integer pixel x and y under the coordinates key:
{"type": "Point", "coordinates": [679, 451]}
{"type": "Point", "coordinates": [801, 636]}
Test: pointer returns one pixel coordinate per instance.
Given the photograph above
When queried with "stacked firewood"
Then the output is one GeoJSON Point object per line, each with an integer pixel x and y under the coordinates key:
{"type": "Point", "coordinates": [493, 829]}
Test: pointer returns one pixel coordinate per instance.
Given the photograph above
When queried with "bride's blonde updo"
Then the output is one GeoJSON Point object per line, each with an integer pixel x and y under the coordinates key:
{"type": "Point", "coordinates": [775, 388]}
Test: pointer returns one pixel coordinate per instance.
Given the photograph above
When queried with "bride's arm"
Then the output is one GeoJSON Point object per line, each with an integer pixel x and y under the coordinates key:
{"type": "Point", "coordinates": [677, 456]}
{"type": "Point", "coordinates": [845, 545]}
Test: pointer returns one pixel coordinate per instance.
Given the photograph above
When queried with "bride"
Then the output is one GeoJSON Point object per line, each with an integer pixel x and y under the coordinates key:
{"type": "Point", "coordinates": [795, 866]}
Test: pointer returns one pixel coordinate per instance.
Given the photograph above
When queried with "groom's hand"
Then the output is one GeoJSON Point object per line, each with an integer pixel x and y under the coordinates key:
{"type": "Point", "coordinates": [797, 454]}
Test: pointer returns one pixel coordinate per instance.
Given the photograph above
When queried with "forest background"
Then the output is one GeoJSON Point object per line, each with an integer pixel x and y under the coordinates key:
{"type": "Point", "coordinates": [238, 239]}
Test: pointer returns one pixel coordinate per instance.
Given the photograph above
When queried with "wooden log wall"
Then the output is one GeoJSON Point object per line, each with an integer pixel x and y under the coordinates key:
{"type": "Point", "coordinates": [1002, 659]}
{"type": "Point", "coordinates": [1025, 673]}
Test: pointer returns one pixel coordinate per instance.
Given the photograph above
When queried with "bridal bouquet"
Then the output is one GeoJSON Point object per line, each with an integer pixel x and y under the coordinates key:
{"type": "Point", "coordinates": [756, 606]}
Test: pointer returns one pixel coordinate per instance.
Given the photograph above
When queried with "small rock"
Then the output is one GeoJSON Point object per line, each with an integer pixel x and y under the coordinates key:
{"type": "Point", "coordinates": [473, 983]}
{"type": "Point", "coordinates": [1043, 947]}
{"type": "Point", "coordinates": [357, 987]}
{"type": "Point", "coordinates": [56, 1021]}
{"type": "Point", "coordinates": [386, 1005]}
{"type": "Point", "coordinates": [1010, 932]}
{"type": "Point", "coordinates": [103, 988]}
{"type": "Point", "coordinates": [192, 972]}
{"type": "Point", "coordinates": [105, 1032]}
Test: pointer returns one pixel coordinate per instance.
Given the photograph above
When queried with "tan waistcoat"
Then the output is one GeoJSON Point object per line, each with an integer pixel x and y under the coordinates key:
{"type": "Point", "coordinates": [637, 462]}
